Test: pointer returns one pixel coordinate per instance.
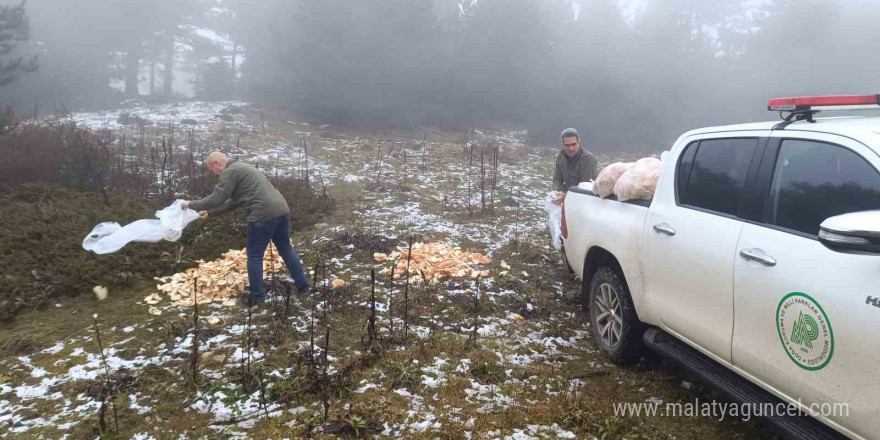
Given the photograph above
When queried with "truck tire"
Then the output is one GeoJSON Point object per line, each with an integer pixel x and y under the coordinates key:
{"type": "Point", "coordinates": [613, 320]}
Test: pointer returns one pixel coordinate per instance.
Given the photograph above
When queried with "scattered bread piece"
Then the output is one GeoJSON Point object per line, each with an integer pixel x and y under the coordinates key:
{"type": "Point", "coordinates": [221, 280]}
{"type": "Point", "coordinates": [480, 259]}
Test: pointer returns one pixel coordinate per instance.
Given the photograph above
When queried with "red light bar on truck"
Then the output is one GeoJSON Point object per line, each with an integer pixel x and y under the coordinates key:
{"type": "Point", "coordinates": [840, 102]}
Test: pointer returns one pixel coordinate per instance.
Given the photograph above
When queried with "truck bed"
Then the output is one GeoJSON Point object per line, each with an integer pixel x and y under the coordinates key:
{"type": "Point", "coordinates": [579, 190]}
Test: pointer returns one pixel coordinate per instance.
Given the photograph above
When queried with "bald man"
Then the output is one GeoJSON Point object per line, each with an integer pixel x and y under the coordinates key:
{"type": "Point", "coordinates": [268, 218]}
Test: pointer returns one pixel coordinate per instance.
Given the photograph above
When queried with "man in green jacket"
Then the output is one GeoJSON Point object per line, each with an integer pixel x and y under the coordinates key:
{"type": "Point", "coordinates": [268, 218]}
{"type": "Point", "coordinates": [573, 165]}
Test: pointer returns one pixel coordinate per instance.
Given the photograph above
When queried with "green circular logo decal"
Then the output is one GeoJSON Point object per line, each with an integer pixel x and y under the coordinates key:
{"type": "Point", "coordinates": [805, 331]}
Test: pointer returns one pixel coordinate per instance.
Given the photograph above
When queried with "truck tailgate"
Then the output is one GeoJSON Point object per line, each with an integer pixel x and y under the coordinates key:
{"type": "Point", "coordinates": [615, 226]}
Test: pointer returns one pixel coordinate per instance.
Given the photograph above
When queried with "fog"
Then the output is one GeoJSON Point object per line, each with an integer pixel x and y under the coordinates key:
{"type": "Point", "coordinates": [629, 75]}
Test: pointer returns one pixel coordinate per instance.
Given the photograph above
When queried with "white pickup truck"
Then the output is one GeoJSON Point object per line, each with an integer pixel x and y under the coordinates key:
{"type": "Point", "coordinates": [756, 265]}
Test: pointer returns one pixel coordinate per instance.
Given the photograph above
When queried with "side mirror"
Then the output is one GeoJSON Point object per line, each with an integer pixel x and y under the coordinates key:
{"type": "Point", "coordinates": [853, 233]}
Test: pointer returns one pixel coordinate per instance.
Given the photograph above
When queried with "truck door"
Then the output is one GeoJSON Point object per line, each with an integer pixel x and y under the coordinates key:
{"type": "Point", "coordinates": [691, 236]}
{"type": "Point", "coordinates": [805, 317]}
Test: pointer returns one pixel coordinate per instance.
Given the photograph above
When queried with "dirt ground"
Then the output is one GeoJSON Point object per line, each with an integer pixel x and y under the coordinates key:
{"type": "Point", "coordinates": [304, 366]}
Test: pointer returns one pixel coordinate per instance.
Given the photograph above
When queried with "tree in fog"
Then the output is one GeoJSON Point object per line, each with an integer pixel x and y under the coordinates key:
{"type": "Point", "coordinates": [366, 60]}
{"type": "Point", "coordinates": [504, 52]}
{"type": "Point", "coordinates": [627, 79]}
{"type": "Point", "coordinates": [586, 84]}
{"type": "Point", "coordinates": [265, 32]}
{"type": "Point", "coordinates": [214, 82]}
{"type": "Point", "coordinates": [156, 24]}
{"type": "Point", "coordinates": [207, 61]}
{"type": "Point", "coordinates": [13, 30]}
{"type": "Point", "coordinates": [89, 44]}
{"type": "Point", "coordinates": [225, 19]}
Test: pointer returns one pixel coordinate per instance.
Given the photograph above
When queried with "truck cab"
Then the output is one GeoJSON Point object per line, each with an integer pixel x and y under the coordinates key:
{"type": "Point", "coordinates": [759, 250]}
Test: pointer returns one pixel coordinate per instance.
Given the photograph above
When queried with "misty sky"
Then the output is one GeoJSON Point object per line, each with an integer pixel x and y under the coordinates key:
{"type": "Point", "coordinates": [600, 65]}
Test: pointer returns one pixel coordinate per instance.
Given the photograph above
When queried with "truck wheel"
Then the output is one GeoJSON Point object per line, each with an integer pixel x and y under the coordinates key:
{"type": "Point", "coordinates": [613, 321]}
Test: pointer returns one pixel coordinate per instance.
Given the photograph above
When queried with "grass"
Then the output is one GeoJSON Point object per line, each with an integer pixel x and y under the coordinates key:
{"type": "Point", "coordinates": [45, 224]}
{"type": "Point", "coordinates": [488, 372]}
{"type": "Point", "coordinates": [520, 376]}
{"type": "Point", "coordinates": [405, 375]}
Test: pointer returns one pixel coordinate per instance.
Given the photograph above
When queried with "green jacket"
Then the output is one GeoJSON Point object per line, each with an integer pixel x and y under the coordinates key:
{"type": "Point", "coordinates": [570, 171]}
{"type": "Point", "coordinates": [243, 186]}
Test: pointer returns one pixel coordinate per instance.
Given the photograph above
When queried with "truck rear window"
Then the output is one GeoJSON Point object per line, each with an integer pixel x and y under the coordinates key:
{"type": "Point", "coordinates": [718, 174]}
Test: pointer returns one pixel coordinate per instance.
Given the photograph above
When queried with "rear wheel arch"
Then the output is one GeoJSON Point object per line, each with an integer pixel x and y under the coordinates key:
{"type": "Point", "coordinates": [614, 323]}
{"type": "Point", "coordinates": [597, 258]}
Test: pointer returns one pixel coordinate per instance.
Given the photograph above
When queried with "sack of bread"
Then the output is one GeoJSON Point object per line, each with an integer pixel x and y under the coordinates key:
{"type": "Point", "coordinates": [639, 181]}
{"type": "Point", "coordinates": [608, 177]}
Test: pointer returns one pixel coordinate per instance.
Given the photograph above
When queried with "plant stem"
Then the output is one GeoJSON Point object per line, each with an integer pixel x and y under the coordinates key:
{"type": "Point", "coordinates": [195, 349]}
{"type": "Point", "coordinates": [406, 292]}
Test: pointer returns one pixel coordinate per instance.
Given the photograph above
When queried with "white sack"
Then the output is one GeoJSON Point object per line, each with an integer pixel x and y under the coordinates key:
{"type": "Point", "coordinates": [640, 181]}
{"type": "Point", "coordinates": [107, 238]}
{"type": "Point", "coordinates": [604, 185]}
{"type": "Point", "coordinates": [554, 220]}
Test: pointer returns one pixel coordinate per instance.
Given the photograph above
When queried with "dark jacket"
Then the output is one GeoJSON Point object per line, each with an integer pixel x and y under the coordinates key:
{"type": "Point", "coordinates": [243, 186]}
{"type": "Point", "coordinates": [573, 170]}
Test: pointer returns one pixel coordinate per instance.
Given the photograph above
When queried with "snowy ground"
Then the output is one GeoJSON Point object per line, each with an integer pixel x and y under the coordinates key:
{"type": "Point", "coordinates": [532, 372]}
{"type": "Point", "coordinates": [185, 114]}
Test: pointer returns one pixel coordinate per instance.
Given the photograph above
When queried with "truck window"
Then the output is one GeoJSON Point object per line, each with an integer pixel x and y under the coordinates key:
{"type": "Point", "coordinates": [683, 170]}
{"type": "Point", "coordinates": [718, 174]}
{"type": "Point", "coordinates": [815, 180]}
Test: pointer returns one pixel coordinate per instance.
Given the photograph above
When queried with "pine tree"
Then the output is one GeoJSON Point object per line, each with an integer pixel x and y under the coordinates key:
{"type": "Point", "coordinates": [13, 30]}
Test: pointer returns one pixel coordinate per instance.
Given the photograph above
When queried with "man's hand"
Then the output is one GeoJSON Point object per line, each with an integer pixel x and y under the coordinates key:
{"type": "Point", "coordinates": [560, 197]}
{"type": "Point", "coordinates": [203, 214]}
{"type": "Point", "coordinates": [185, 204]}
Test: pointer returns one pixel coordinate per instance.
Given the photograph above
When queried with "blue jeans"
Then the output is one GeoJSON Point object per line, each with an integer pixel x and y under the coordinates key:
{"type": "Point", "coordinates": [258, 236]}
